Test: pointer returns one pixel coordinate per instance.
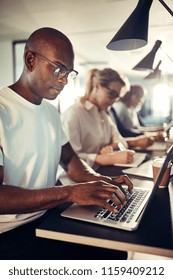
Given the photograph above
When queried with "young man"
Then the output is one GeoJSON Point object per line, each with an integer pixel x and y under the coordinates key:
{"type": "Point", "coordinates": [32, 144]}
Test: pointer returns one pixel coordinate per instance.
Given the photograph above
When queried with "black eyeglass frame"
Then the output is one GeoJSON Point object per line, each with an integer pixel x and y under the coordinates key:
{"type": "Point", "coordinates": [60, 69]}
{"type": "Point", "coordinates": [113, 94]}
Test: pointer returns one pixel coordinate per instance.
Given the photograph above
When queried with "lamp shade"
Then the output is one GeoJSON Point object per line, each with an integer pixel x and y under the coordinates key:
{"type": "Point", "coordinates": [156, 74]}
{"type": "Point", "coordinates": [134, 32]}
{"type": "Point", "coordinates": [147, 62]}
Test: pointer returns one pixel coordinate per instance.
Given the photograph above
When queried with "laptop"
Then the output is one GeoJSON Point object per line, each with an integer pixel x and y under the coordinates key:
{"type": "Point", "coordinates": [129, 217]}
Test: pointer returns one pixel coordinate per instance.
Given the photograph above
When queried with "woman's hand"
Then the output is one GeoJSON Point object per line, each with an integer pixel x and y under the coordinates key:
{"type": "Point", "coordinates": [118, 157]}
{"type": "Point", "coordinates": [106, 150]}
{"type": "Point", "coordinates": [123, 157]}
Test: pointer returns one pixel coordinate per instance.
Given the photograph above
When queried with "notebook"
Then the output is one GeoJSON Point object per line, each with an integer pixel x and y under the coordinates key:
{"type": "Point", "coordinates": [144, 170]}
{"type": "Point", "coordinates": [137, 205]}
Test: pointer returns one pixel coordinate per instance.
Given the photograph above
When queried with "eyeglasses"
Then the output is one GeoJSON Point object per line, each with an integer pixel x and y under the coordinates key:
{"type": "Point", "coordinates": [113, 94]}
{"type": "Point", "coordinates": [60, 69]}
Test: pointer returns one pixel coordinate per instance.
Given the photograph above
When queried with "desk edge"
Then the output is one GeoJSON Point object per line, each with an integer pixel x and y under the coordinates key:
{"type": "Point", "coordinates": [104, 243]}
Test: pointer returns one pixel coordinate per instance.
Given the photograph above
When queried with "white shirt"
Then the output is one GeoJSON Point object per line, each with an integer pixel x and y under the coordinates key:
{"type": "Point", "coordinates": [89, 130]}
{"type": "Point", "coordinates": [127, 116]}
{"type": "Point", "coordinates": [31, 138]}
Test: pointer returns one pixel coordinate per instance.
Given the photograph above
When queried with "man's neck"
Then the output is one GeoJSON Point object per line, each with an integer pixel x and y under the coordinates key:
{"type": "Point", "coordinates": [24, 92]}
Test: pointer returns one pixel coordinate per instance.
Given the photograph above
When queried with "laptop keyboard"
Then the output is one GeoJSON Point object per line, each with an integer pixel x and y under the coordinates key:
{"type": "Point", "coordinates": [127, 212]}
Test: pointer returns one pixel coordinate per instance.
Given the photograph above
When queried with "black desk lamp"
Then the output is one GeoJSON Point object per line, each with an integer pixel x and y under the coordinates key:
{"type": "Point", "coordinates": [156, 74]}
{"type": "Point", "coordinates": [147, 62]}
{"type": "Point", "coordinates": [134, 32]}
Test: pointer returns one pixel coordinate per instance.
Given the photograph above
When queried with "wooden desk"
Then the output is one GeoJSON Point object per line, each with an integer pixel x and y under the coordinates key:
{"type": "Point", "coordinates": [154, 235]}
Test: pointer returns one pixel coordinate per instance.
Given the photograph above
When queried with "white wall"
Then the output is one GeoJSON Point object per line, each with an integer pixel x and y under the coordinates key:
{"type": "Point", "coordinates": [6, 63]}
{"type": "Point", "coordinates": [7, 76]}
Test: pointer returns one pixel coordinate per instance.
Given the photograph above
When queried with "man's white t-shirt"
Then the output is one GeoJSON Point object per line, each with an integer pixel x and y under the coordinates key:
{"type": "Point", "coordinates": [31, 138]}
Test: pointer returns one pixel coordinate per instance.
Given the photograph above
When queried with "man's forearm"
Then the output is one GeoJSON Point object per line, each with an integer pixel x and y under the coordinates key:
{"type": "Point", "coordinates": [14, 199]}
{"type": "Point", "coordinates": [79, 171]}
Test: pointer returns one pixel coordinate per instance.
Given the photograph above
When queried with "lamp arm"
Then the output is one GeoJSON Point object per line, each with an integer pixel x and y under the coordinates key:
{"type": "Point", "coordinates": [166, 7]}
{"type": "Point", "coordinates": [167, 55]}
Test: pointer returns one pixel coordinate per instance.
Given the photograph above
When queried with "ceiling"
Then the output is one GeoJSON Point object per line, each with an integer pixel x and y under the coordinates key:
{"type": "Point", "coordinates": [90, 25]}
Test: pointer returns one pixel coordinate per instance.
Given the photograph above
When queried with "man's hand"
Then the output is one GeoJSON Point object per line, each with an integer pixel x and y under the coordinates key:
{"type": "Point", "coordinates": [97, 193]}
{"type": "Point", "coordinates": [119, 181]}
{"type": "Point", "coordinates": [144, 141]}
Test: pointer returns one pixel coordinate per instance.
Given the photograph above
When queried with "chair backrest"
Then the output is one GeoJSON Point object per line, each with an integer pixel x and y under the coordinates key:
{"type": "Point", "coordinates": [123, 131]}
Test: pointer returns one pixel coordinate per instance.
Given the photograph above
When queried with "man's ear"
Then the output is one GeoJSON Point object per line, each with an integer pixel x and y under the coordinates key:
{"type": "Point", "coordinates": [29, 60]}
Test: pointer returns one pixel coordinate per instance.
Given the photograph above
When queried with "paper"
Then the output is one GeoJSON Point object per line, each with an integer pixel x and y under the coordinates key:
{"type": "Point", "coordinates": [144, 170]}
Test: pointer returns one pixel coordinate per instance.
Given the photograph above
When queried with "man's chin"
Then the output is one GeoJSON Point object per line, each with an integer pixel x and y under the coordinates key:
{"type": "Point", "coordinates": [53, 93]}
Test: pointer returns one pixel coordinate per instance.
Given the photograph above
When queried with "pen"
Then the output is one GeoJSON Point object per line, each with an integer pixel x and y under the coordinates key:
{"type": "Point", "coordinates": [121, 146]}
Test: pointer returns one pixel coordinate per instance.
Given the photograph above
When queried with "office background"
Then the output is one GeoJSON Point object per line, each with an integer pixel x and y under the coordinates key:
{"type": "Point", "coordinates": [90, 25]}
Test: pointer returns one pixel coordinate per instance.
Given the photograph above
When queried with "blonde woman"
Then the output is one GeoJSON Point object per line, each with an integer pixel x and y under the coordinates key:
{"type": "Point", "coordinates": [92, 133]}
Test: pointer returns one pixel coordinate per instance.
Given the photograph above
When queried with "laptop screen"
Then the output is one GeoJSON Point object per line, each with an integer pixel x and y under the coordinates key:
{"type": "Point", "coordinates": [168, 159]}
